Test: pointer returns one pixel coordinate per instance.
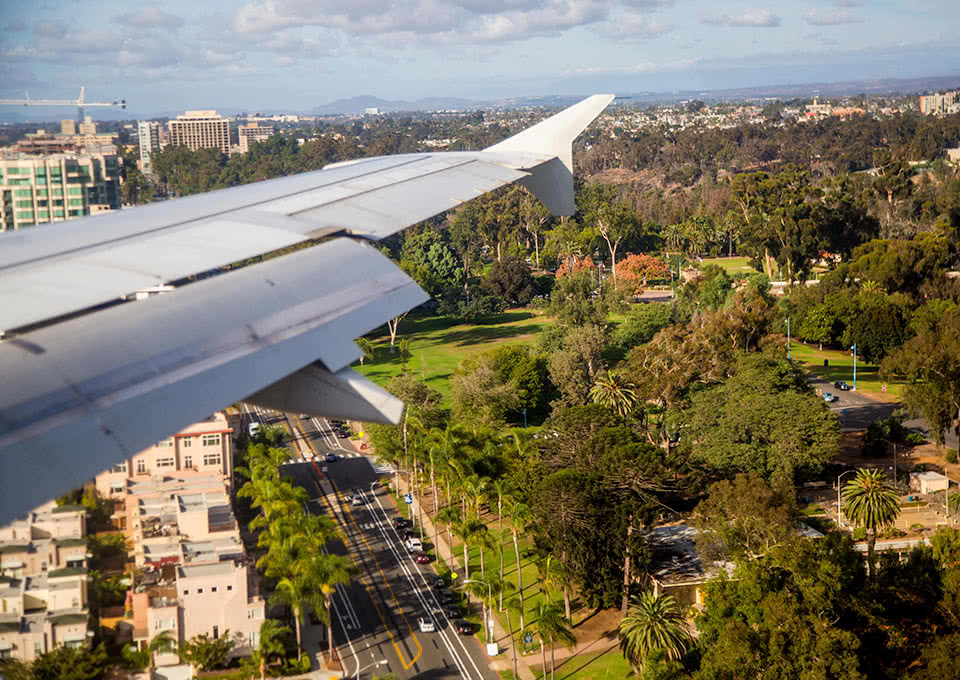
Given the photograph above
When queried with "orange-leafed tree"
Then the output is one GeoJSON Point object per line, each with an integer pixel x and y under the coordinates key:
{"type": "Point", "coordinates": [638, 268]}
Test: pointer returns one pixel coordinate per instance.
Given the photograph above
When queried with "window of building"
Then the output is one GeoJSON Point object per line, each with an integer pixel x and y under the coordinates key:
{"type": "Point", "coordinates": [165, 443]}
{"type": "Point", "coordinates": [75, 201]}
{"type": "Point", "coordinates": [141, 466]}
{"type": "Point", "coordinates": [253, 638]}
{"type": "Point", "coordinates": [199, 590]}
{"type": "Point", "coordinates": [120, 467]}
{"type": "Point", "coordinates": [186, 592]}
{"type": "Point", "coordinates": [212, 459]}
{"type": "Point", "coordinates": [38, 647]}
{"type": "Point", "coordinates": [75, 191]}
{"type": "Point", "coordinates": [42, 193]}
{"type": "Point", "coordinates": [58, 213]}
{"type": "Point", "coordinates": [116, 487]}
{"type": "Point", "coordinates": [75, 213]}
{"type": "Point", "coordinates": [43, 214]}
{"type": "Point", "coordinates": [56, 192]}
{"type": "Point", "coordinates": [216, 632]}
{"type": "Point", "coordinates": [165, 462]}
{"type": "Point", "coordinates": [229, 587]}
{"type": "Point", "coordinates": [213, 589]}
{"type": "Point", "coordinates": [254, 614]}
{"type": "Point", "coordinates": [211, 440]}
{"type": "Point", "coordinates": [23, 193]}
{"type": "Point", "coordinates": [188, 461]}
{"type": "Point", "coordinates": [23, 204]}
{"type": "Point", "coordinates": [186, 442]}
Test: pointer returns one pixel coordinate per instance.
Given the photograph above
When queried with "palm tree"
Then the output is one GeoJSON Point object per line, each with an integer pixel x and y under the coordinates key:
{"type": "Point", "coordinates": [467, 530]}
{"type": "Point", "coordinates": [270, 645]}
{"type": "Point", "coordinates": [367, 351]}
{"type": "Point", "coordinates": [500, 487]}
{"type": "Point", "coordinates": [143, 658]}
{"type": "Point", "coordinates": [448, 517]}
{"type": "Point", "coordinates": [330, 571]}
{"type": "Point", "coordinates": [554, 627]}
{"type": "Point", "coordinates": [614, 391]}
{"type": "Point", "coordinates": [870, 501]}
{"type": "Point", "coordinates": [520, 517]}
{"type": "Point", "coordinates": [513, 605]}
{"type": "Point", "coordinates": [297, 591]}
{"type": "Point", "coordinates": [652, 622]}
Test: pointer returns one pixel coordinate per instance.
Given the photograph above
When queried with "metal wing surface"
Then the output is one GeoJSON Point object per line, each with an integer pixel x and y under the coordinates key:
{"type": "Point", "coordinates": [86, 384]}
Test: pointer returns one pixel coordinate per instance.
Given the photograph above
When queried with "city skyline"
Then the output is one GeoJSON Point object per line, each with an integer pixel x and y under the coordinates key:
{"type": "Point", "coordinates": [290, 54]}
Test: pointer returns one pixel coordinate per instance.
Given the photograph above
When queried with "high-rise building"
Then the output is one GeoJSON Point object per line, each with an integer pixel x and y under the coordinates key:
{"type": "Point", "coordinates": [253, 132]}
{"type": "Point", "coordinates": [53, 188]}
{"type": "Point", "coordinates": [200, 130]}
{"type": "Point", "coordinates": [151, 138]}
{"type": "Point", "coordinates": [939, 104]}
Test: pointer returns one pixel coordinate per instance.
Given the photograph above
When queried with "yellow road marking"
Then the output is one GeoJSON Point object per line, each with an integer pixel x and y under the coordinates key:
{"type": "Point", "coordinates": [363, 538]}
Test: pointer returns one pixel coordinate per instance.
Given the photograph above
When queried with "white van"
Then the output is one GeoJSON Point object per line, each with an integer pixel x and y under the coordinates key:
{"type": "Point", "coordinates": [414, 544]}
{"type": "Point", "coordinates": [253, 428]}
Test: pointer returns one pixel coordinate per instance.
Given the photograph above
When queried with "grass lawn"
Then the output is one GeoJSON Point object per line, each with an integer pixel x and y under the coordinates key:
{"type": "Point", "coordinates": [437, 344]}
{"type": "Point", "coordinates": [841, 368]}
{"type": "Point", "coordinates": [608, 665]}
{"type": "Point", "coordinates": [732, 265]}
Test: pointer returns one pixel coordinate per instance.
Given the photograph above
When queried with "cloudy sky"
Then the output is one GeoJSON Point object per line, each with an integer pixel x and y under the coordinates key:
{"type": "Point", "coordinates": [296, 54]}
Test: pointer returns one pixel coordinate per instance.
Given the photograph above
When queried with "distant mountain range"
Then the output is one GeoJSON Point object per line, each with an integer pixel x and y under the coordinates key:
{"type": "Point", "coordinates": [356, 105]}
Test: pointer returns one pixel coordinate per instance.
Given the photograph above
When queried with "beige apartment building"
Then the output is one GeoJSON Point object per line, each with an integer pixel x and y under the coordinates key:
{"type": "Point", "coordinates": [53, 188]}
{"type": "Point", "coordinates": [151, 138]}
{"type": "Point", "coordinates": [253, 132]}
{"type": "Point", "coordinates": [200, 130]}
{"type": "Point", "coordinates": [203, 448]}
{"type": "Point", "coordinates": [940, 103]}
{"type": "Point", "coordinates": [43, 582]}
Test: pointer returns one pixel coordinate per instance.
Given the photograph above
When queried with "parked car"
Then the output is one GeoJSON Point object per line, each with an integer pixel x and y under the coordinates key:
{"type": "Point", "coordinates": [426, 625]}
{"type": "Point", "coordinates": [331, 457]}
{"type": "Point", "coordinates": [414, 544]}
{"type": "Point", "coordinates": [437, 582]}
{"type": "Point", "coordinates": [421, 557]}
{"type": "Point", "coordinates": [357, 500]}
{"type": "Point", "coordinates": [841, 385]}
{"type": "Point", "coordinates": [446, 597]}
{"type": "Point", "coordinates": [401, 522]}
{"type": "Point", "coordinates": [463, 628]}
{"type": "Point", "coordinates": [452, 612]}
{"type": "Point", "coordinates": [830, 397]}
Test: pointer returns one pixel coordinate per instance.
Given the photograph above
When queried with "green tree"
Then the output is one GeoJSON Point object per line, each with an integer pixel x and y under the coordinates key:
{"type": "Point", "coordinates": [367, 349]}
{"type": "Point", "coordinates": [615, 392]}
{"type": "Point", "coordinates": [870, 501]}
{"type": "Point", "coordinates": [653, 621]}
{"type": "Point", "coordinates": [578, 363]}
{"type": "Point", "coordinates": [298, 591]}
{"type": "Point", "coordinates": [614, 221]}
{"type": "Point", "coordinates": [270, 646]}
{"type": "Point", "coordinates": [329, 571]}
{"type": "Point", "coordinates": [69, 663]}
{"type": "Point", "coordinates": [510, 280]}
{"type": "Point", "coordinates": [206, 653]}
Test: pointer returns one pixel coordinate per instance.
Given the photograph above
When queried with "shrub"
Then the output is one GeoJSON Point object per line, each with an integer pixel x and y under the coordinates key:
{"type": "Point", "coordinates": [859, 534]}
{"type": "Point", "coordinates": [892, 532]}
{"type": "Point", "coordinates": [951, 456]}
{"type": "Point", "coordinates": [915, 439]}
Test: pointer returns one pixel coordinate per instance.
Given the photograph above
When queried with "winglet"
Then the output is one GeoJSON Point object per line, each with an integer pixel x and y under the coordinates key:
{"type": "Point", "coordinates": [552, 182]}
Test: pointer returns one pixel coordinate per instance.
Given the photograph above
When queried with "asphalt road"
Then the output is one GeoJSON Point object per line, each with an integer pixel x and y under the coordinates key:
{"type": "Point", "coordinates": [376, 616]}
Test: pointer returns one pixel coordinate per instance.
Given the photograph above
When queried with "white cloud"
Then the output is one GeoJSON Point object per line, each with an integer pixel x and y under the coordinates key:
{"type": "Point", "coordinates": [648, 5]}
{"type": "Point", "coordinates": [830, 17]}
{"type": "Point", "coordinates": [50, 29]}
{"type": "Point", "coordinates": [754, 17]}
{"type": "Point", "coordinates": [641, 67]}
{"type": "Point", "coordinates": [150, 17]}
{"type": "Point", "coordinates": [634, 28]}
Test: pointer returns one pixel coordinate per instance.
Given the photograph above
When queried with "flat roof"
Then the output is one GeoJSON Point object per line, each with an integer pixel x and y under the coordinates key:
{"type": "Point", "coordinates": [218, 569]}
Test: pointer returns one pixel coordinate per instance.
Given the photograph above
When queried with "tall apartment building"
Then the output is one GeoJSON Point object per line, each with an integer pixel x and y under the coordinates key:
{"type": "Point", "coordinates": [43, 582]}
{"type": "Point", "coordinates": [151, 137]}
{"type": "Point", "coordinates": [253, 132]}
{"type": "Point", "coordinates": [940, 104]}
{"type": "Point", "coordinates": [200, 130]}
{"type": "Point", "coordinates": [53, 188]}
{"type": "Point", "coordinates": [203, 448]}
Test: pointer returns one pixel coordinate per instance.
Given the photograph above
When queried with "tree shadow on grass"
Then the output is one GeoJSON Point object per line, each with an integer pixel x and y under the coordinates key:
{"type": "Point", "coordinates": [478, 334]}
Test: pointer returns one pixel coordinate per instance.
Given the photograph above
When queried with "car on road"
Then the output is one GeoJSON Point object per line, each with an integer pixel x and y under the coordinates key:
{"type": "Point", "coordinates": [421, 557]}
{"type": "Point", "coordinates": [437, 582]}
{"type": "Point", "coordinates": [356, 500]}
{"type": "Point", "coordinates": [452, 612]}
{"type": "Point", "coordinates": [446, 597]}
{"type": "Point", "coordinates": [413, 544]}
{"type": "Point", "coordinates": [254, 429]}
{"type": "Point", "coordinates": [331, 457]}
{"type": "Point", "coordinates": [830, 397]}
{"type": "Point", "coordinates": [842, 386]}
{"type": "Point", "coordinates": [401, 522]}
{"type": "Point", "coordinates": [426, 625]}
{"type": "Point", "coordinates": [463, 628]}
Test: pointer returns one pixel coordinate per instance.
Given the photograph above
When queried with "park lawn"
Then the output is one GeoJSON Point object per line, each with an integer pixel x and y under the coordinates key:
{"type": "Point", "coordinates": [438, 344]}
{"type": "Point", "coordinates": [732, 265]}
{"type": "Point", "coordinates": [609, 665]}
{"type": "Point", "coordinates": [841, 368]}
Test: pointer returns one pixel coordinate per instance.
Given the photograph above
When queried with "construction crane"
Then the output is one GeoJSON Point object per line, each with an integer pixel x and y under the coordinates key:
{"type": "Point", "coordinates": [78, 102]}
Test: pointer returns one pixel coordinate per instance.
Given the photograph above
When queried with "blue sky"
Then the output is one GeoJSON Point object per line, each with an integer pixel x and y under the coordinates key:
{"type": "Point", "coordinates": [296, 54]}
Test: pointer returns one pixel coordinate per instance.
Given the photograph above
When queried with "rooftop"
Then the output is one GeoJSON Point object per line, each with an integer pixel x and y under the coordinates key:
{"type": "Point", "coordinates": [201, 570]}
{"type": "Point", "coordinates": [675, 559]}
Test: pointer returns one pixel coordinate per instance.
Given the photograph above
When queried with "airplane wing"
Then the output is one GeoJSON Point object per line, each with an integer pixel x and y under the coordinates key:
{"type": "Point", "coordinates": [88, 380]}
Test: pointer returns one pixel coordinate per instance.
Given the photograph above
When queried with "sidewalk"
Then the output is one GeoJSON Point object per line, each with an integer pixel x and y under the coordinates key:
{"type": "Point", "coordinates": [503, 662]}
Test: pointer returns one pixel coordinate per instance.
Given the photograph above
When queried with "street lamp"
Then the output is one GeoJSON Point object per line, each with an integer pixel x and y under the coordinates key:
{"type": "Point", "coordinates": [839, 506]}
{"type": "Point", "coordinates": [854, 348]}
{"type": "Point", "coordinates": [381, 662]}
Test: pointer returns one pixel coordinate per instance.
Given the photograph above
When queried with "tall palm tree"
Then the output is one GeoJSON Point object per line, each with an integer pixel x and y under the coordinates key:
{"type": "Point", "coordinates": [512, 606]}
{"type": "Point", "coordinates": [520, 517]}
{"type": "Point", "coordinates": [144, 658]}
{"type": "Point", "coordinates": [615, 392]}
{"type": "Point", "coordinates": [449, 517]}
{"type": "Point", "coordinates": [466, 531]}
{"type": "Point", "coordinates": [330, 571]}
{"type": "Point", "coordinates": [873, 503]}
{"type": "Point", "coordinates": [553, 627]}
{"type": "Point", "coordinates": [499, 487]}
{"type": "Point", "coordinates": [652, 622]}
{"type": "Point", "coordinates": [298, 591]}
{"type": "Point", "coordinates": [270, 644]}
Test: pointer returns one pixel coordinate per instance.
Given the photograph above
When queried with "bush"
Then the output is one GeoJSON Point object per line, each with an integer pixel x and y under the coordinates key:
{"type": "Point", "coordinates": [951, 456]}
{"type": "Point", "coordinates": [915, 439]}
{"type": "Point", "coordinates": [892, 532]}
{"type": "Point", "coordinates": [859, 534]}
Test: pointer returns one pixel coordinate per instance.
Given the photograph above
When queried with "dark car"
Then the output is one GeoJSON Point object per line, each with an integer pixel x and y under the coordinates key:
{"type": "Point", "coordinates": [842, 386]}
{"type": "Point", "coordinates": [401, 522]}
{"type": "Point", "coordinates": [463, 628]}
{"type": "Point", "coordinates": [331, 457]}
{"type": "Point", "coordinates": [437, 582]}
{"type": "Point", "coordinates": [408, 533]}
{"type": "Point", "coordinates": [446, 597]}
{"type": "Point", "coordinates": [452, 612]}
{"type": "Point", "coordinates": [421, 557]}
